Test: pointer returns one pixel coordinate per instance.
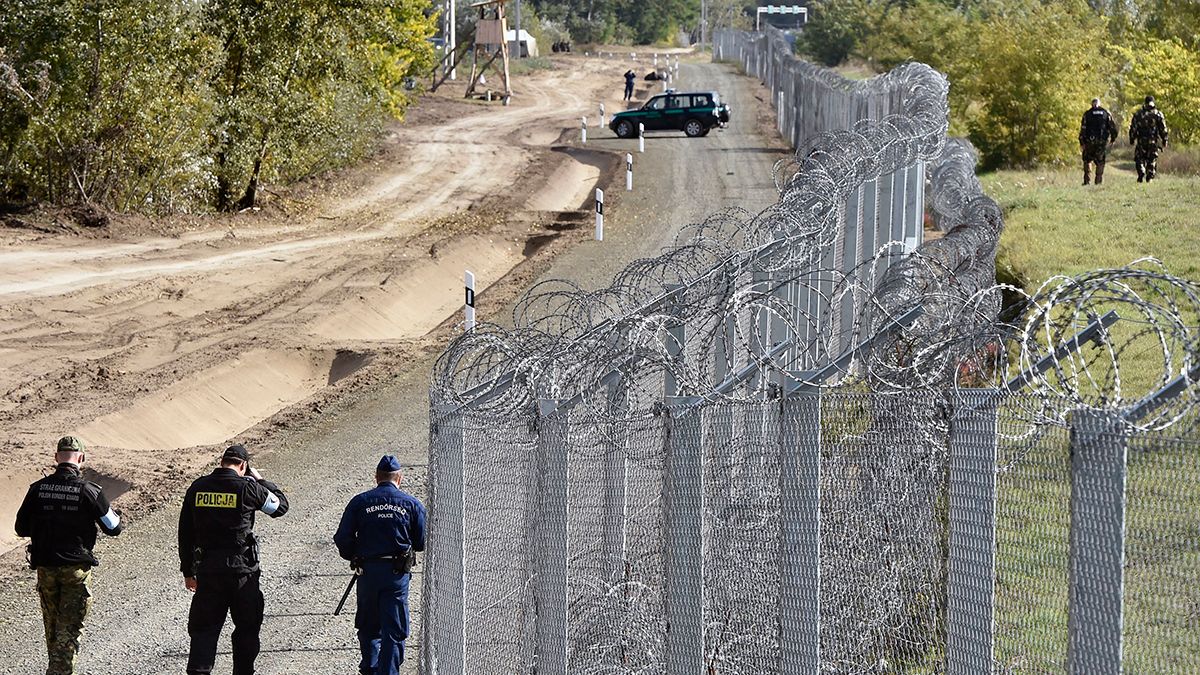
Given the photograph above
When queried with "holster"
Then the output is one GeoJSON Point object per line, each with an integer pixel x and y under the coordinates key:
{"type": "Point", "coordinates": [403, 564]}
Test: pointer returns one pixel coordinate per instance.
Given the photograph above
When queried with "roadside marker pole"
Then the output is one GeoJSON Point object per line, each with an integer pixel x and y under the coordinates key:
{"type": "Point", "coordinates": [656, 61]}
{"type": "Point", "coordinates": [601, 114]}
{"type": "Point", "coordinates": [583, 130]}
{"type": "Point", "coordinates": [469, 307]}
{"type": "Point", "coordinates": [641, 137]}
{"type": "Point", "coordinates": [599, 214]}
{"type": "Point", "coordinates": [628, 172]}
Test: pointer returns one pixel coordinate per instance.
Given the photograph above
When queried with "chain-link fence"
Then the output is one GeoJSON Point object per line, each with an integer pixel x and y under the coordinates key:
{"type": "Point", "coordinates": [759, 451]}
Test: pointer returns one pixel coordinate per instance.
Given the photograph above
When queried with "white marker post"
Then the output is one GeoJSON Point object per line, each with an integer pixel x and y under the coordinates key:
{"type": "Point", "coordinates": [599, 214]}
{"type": "Point", "coordinates": [656, 60]}
{"type": "Point", "coordinates": [583, 130]}
{"type": "Point", "coordinates": [601, 114]}
{"type": "Point", "coordinates": [641, 137]}
{"type": "Point", "coordinates": [628, 172]}
{"type": "Point", "coordinates": [469, 307]}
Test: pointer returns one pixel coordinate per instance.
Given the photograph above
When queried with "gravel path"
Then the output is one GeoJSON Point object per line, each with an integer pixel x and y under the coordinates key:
{"type": "Point", "coordinates": [139, 616]}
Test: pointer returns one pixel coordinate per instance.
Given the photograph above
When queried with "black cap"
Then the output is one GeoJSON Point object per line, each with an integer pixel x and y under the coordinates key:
{"type": "Point", "coordinates": [237, 452]}
{"type": "Point", "coordinates": [1149, 99]}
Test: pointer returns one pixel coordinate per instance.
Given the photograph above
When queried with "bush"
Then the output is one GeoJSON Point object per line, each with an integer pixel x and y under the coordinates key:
{"type": "Point", "coordinates": [1180, 161]}
{"type": "Point", "coordinates": [1036, 68]}
{"type": "Point", "coordinates": [1171, 73]}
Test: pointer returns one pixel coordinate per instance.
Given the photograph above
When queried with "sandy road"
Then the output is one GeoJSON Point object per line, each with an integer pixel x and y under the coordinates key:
{"type": "Point", "coordinates": [138, 622]}
{"type": "Point", "coordinates": [174, 342]}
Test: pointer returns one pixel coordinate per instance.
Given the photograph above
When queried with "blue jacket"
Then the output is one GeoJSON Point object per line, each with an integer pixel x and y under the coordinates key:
{"type": "Point", "coordinates": [381, 522]}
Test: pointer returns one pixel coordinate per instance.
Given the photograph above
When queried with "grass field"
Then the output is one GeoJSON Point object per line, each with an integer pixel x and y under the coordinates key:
{"type": "Point", "coordinates": [1054, 225]}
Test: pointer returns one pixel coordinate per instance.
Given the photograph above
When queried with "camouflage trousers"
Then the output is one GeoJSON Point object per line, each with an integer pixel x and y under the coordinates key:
{"type": "Point", "coordinates": [65, 603]}
{"type": "Point", "coordinates": [1145, 156]}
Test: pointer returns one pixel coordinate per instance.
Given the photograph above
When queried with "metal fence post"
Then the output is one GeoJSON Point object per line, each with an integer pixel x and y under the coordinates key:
{"type": "Point", "coordinates": [800, 535]}
{"type": "Point", "coordinates": [1099, 453]}
{"type": "Point", "coordinates": [971, 588]}
{"type": "Point", "coordinates": [443, 644]}
{"type": "Point", "coordinates": [684, 507]}
{"type": "Point", "coordinates": [552, 541]}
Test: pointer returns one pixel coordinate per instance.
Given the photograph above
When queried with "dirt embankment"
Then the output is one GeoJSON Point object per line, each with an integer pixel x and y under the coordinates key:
{"type": "Point", "coordinates": [158, 340]}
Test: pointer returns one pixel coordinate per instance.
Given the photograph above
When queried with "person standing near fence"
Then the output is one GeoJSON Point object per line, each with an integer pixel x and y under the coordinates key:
{"type": "Point", "coordinates": [380, 532]}
{"type": "Point", "coordinates": [1097, 132]}
{"type": "Point", "coordinates": [60, 515]}
{"type": "Point", "coordinates": [1148, 134]}
{"type": "Point", "coordinates": [630, 76]}
{"type": "Point", "coordinates": [218, 556]}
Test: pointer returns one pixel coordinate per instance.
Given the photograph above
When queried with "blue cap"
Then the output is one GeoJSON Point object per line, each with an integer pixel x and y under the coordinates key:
{"type": "Point", "coordinates": [388, 464]}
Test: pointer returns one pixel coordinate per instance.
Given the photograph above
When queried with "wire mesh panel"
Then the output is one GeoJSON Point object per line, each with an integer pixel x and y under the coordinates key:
{"type": "Point", "coordinates": [499, 516]}
{"type": "Point", "coordinates": [1033, 486]}
{"type": "Point", "coordinates": [742, 445]}
{"type": "Point", "coordinates": [1162, 554]}
{"type": "Point", "coordinates": [883, 533]}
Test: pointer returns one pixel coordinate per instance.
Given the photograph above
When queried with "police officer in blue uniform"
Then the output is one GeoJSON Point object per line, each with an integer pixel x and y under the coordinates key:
{"type": "Point", "coordinates": [380, 531]}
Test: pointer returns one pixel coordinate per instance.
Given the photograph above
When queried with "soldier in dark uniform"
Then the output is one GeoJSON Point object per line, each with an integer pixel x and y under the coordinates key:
{"type": "Point", "coordinates": [630, 76]}
{"type": "Point", "coordinates": [379, 533]}
{"type": "Point", "coordinates": [1148, 134]}
{"type": "Point", "coordinates": [218, 556]}
{"type": "Point", "coordinates": [59, 515]}
{"type": "Point", "coordinates": [1097, 132]}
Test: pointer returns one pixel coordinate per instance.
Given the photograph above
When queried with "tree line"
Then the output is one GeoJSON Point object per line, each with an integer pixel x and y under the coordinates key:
{"type": "Point", "coordinates": [186, 105]}
{"type": "Point", "coordinates": [1023, 71]}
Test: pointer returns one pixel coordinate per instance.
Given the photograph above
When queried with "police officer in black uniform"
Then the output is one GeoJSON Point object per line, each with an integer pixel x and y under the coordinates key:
{"type": "Point", "coordinates": [60, 515]}
{"type": "Point", "coordinates": [379, 533]}
{"type": "Point", "coordinates": [218, 556]}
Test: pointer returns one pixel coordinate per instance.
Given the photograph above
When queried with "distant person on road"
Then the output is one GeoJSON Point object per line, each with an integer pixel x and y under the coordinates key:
{"type": "Point", "coordinates": [60, 515]}
{"type": "Point", "coordinates": [1148, 134]}
{"type": "Point", "coordinates": [380, 532]}
{"type": "Point", "coordinates": [1097, 132]}
{"type": "Point", "coordinates": [630, 77]}
{"type": "Point", "coordinates": [218, 556]}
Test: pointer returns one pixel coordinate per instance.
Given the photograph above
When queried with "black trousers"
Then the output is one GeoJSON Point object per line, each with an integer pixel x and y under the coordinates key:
{"type": "Point", "coordinates": [216, 595]}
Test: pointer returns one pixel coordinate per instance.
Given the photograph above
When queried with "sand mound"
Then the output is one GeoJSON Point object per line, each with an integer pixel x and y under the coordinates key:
{"type": "Point", "coordinates": [572, 185]}
{"type": "Point", "coordinates": [411, 304]}
{"type": "Point", "coordinates": [213, 405]}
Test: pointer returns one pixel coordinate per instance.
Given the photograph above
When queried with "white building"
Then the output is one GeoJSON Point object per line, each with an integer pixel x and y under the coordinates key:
{"type": "Point", "coordinates": [528, 44]}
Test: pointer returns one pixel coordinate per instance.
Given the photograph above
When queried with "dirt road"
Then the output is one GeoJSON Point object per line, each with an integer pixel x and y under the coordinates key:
{"type": "Point", "coordinates": [368, 290]}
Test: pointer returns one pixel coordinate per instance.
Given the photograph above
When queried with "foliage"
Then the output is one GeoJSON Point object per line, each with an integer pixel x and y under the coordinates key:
{"type": "Point", "coordinates": [1037, 65]}
{"type": "Point", "coordinates": [184, 104]}
{"type": "Point", "coordinates": [100, 103]}
{"type": "Point", "coordinates": [837, 29]}
{"type": "Point", "coordinates": [592, 21]}
{"type": "Point", "coordinates": [1170, 72]}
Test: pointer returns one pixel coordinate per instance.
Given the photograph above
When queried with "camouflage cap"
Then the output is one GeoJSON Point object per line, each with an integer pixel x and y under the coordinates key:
{"type": "Point", "coordinates": [70, 444]}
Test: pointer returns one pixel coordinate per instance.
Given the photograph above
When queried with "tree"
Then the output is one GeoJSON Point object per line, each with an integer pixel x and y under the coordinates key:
{"type": "Point", "coordinates": [1038, 65]}
{"type": "Point", "coordinates": [308, 79]}
{"type": "Point", "coordinates": [1170, 72]}
{"type": "Point", "coordinates": [100, 103]}
{"type": "Point", "coordinates": [837, 28]}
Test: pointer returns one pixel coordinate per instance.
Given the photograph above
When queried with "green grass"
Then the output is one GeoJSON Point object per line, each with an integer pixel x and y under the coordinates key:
{"type": "Point", "coordinates": [1054, 225]}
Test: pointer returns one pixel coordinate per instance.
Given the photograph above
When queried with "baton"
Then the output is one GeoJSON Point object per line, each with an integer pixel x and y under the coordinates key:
{"type": "Point", "coordinates": [349, 587]}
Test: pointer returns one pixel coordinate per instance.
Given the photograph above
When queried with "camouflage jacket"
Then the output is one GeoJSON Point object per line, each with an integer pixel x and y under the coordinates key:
{"type": "Point", "coordinates": [1148, 125]}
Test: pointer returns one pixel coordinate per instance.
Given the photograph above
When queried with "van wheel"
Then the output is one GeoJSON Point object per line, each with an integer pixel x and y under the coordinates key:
{"type": "Point", "coordinates": [693, 128]}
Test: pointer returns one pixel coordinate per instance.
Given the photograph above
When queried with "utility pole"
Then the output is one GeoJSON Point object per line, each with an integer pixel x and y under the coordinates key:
{"type": "Point", "coordinates": [703, 22]}
{"type": "Point", "coordinates": [517, 32]}
{"type": "Point", "coordinates": [452, 43]}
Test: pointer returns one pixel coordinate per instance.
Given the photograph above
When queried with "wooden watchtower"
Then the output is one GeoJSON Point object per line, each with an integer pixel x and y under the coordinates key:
{"type": "Point", "coordinates": [490, 30]}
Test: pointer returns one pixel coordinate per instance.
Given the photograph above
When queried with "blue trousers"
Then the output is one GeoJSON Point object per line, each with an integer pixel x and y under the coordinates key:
{"type": "Point", "coordinates": [382, 618]}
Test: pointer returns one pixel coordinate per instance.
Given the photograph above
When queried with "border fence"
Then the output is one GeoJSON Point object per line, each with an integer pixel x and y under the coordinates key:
{"type": "Point", "coordinates": [807, 441]}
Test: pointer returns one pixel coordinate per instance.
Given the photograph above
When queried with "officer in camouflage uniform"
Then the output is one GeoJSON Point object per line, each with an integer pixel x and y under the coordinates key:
{"type": "Point", "coordinates": [59, 515]}
{"type": "Point", "coordinates": [1148, 134]}
{"type": "Point", "coordinates": [1097, 132]}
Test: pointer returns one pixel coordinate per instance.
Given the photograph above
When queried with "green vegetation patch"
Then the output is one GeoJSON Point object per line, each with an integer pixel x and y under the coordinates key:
{"type": "Point", "coordinates": [1054, 225]}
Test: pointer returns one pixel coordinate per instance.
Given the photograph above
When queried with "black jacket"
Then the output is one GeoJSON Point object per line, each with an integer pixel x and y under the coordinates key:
{"type": "Point", "coordinates": [216, 524]}
{"type": "Point", "coordinates": [60, 515]}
